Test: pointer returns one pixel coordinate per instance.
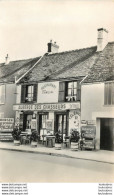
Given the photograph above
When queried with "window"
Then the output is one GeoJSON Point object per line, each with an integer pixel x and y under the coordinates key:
{"type": "Point", "coordinates": [109, 94]}
{"type": "Point", "coordinates": [71, 91]}
{"type": "Point", "coordinates": [2, 94]}
{"type": "Point", "coordinates": [29, 93]}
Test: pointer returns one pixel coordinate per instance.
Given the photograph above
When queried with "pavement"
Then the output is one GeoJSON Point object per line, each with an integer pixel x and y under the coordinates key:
{"type": "Point", "coordinates": [103, 156]}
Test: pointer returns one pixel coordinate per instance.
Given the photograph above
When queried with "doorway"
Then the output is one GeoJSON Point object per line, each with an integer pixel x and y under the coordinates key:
{"type": "Point", "coordinates": [27, 121]}
{"type": "Point", "coordinates": [61, 124]}
{"type": "Point", "coordinates": [106, 134]}
{"type": "Point", "coordinates": [42, 121]}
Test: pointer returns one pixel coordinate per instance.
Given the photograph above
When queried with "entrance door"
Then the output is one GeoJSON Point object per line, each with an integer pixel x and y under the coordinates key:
{"type": "Point", "coordinates": [42, 121]}
{"type": "Point", "coordinates": [61, 124]}
{"type": "Point", "coordinates": [27, 121]}
{"type": "Point", "coordinates": [107, 134]}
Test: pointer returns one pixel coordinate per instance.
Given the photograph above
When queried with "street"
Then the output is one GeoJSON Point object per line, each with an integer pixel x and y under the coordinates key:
{"type": "Point", "coordinates": [28, 167]}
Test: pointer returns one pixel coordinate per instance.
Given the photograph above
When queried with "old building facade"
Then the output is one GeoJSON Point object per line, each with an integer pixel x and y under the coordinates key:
{"type": "Point", "coordinates": [97, 101]}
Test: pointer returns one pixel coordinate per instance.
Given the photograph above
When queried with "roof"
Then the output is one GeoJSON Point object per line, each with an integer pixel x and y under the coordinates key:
{"type": "Point", "coordinates": [75, 63]}
{"type": "Point", "coordinates": [15, 69]}
{"type": "Point", "coordinates": [103, 69]}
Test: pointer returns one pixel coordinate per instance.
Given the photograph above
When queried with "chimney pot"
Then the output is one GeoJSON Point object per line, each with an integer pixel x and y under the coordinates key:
{"type": "Point", "coordinates": [6, 59]}
{"type": "Point", "coordinates": [52, 47]}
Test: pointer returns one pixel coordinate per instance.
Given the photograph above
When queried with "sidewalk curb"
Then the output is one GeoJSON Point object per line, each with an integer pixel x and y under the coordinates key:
{"type": "Point", "coordinates": [54, 154]}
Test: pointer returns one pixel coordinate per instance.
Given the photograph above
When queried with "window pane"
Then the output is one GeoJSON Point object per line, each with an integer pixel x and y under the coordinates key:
{"type": "Point", "coordinates": [75, 84]}
{"type": "Point", "coordinates": [69, 91]}
{"type": "Point", "coordinates": [70, 85]}
{"type": "Point", "coordinates": [75, 91]}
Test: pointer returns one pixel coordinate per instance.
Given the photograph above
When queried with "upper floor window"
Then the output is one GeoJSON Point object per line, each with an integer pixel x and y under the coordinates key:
{"type": "Point", "coordinates": [71, 94]}
{"type": "Point", "coordinates": [29, 93]}
{"type": "Point", "coordinates": [69, 91]}
{"type": "Point", "coordinates": [109, 94]}
{"type": "Point", "coordinates": [2, 94]}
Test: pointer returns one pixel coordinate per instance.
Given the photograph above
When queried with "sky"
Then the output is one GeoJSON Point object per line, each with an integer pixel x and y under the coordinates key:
{"type": "Point", "coordinates": [27, 26]}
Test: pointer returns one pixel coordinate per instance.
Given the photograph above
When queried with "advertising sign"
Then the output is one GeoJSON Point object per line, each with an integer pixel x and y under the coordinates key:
{"type": "Point", "coordinates": [49, 124]}
{"type": "Point", "coordinates": [48, 92]}
{"type": "Point", "coordinates": [33, 124]}
{"type": "Point", "coordinates": [88, 131]}
{"type": "Point", "coordinates": [6, 124]}
{"type": "Point", "coordinates": [39, 107]}
{"type": "Point", "coordinates": [74, 120]}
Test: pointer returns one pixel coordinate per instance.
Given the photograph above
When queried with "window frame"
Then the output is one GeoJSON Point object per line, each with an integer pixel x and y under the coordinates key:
{"type": "Point", "coordinates": [31, 94]}
{"type": "Point", "coordinates": [4, 94]}
{"type": "Point", "coordinates": [24, 92]}
{"type": "Point", "coordinates": [71, 97]}
{"type": "Point", "coordinates": [109, 93]}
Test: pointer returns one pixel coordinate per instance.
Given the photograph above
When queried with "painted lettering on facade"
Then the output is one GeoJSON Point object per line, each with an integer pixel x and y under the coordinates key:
{"type": "Point", "coordinates": [47, 89]}
{"type": "Point", "coordinates": [62, 106]}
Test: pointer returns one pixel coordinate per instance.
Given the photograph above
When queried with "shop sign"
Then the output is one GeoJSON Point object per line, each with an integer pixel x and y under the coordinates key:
{"type": "Point", "coordinates": [83, 122]}
{"type": "Point", "coordinates": [49, 124]}
{"type": "Point", "coordinates": [6, 124]}
{"type": "Point", "coordinates": [39, 107]}
{"type": "Point", "coordinates": [91, 122]}
{"type": "Point", "coordinates": [48, 92]}
{"type": "Point", "coordinates": [88, 131]}
{"type": "Point", "coordinates": [89, 144]}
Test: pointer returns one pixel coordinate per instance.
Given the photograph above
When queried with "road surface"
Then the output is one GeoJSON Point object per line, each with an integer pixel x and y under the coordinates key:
{"type": "Point", "coordinates": [30, 167]}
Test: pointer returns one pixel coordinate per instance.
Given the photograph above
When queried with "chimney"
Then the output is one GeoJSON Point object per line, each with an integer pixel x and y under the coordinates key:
{"type": "Point", "coordinates": [102, 39]}
{"type": "Point", "coordinates": [52, 47]}
{"type": "Point", "coordinates": [6, 59]}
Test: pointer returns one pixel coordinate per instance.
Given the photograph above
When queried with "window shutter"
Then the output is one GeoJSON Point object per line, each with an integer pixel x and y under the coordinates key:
{"type": "Point", "coordinates": [78, 91]}
{"type": "Point", "coordinates": [61, 91]}
{"type": "Point", "coordinates": [23, 93]}
{"type": "Point", "coordinates": [35, 93]}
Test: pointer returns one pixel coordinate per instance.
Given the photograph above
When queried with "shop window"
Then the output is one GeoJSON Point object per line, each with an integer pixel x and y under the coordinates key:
{"type": "Point", "coordinates": [29, 93]}
{"type": "Point", "coordinates": [72, 91]}
{"type": "Point", "coordinates": [109, 94]}
{"type": "Point", "coordinates": [2, 94]}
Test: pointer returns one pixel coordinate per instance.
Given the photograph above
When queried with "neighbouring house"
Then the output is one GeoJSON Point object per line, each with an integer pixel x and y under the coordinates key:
{"type": "Point", "coordinates": [49, 95]}
{"type": "Point", "coordinates": [9, 72]}
{"type": "Point", "coordinates": [97, 97]}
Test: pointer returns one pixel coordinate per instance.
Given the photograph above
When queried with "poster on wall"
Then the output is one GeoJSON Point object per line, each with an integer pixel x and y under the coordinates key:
{"type": "Point", "coordinates": [48, 92]}
{"type": "Point", "coordinates": [88, 131]}
{"type": "Point", "coordinates": [49, 124]}
{"type": "Point", "coordinates": [6, 124]}
{"type": "Point", "coordinates": [33, 124]}
{"type": "Point", "coordinates": [74, 120]}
